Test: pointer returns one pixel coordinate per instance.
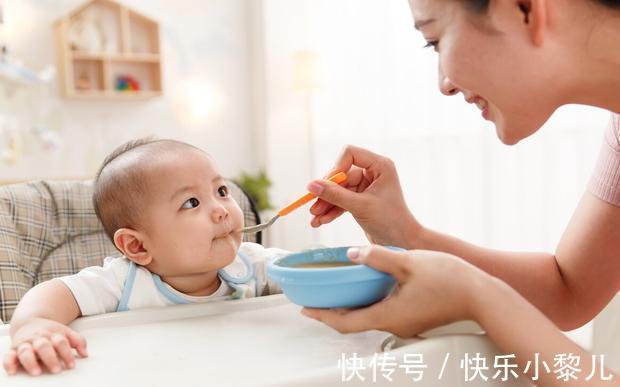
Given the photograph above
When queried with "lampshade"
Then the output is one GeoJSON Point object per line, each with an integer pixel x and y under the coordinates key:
{"type": "Point", "coordinates": [306, 70]}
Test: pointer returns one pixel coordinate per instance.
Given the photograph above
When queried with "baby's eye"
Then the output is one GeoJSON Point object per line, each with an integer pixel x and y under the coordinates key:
{"type": "Point", "coordinates": [223, 191]}
{"type": "Point", "coordinates": [191, 203]}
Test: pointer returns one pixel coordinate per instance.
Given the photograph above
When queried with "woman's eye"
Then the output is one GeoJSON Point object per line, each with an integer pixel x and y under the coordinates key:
{"type": "Point", "coordinates": [432, 44]}
{"type": "Point", "coordinates": [223, 191]}
{"type": "Point", "coordinates": [191, 203]}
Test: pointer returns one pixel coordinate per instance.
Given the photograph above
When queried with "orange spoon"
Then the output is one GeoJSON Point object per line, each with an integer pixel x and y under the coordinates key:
{"type": "Point", "coordinates": [337, 178]}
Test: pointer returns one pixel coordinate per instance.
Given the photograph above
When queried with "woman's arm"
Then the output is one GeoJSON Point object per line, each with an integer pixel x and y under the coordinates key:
{"type": "Point", "coordinates": [518, 328]}
{"type": "Point", "coordinates": [570, 286]}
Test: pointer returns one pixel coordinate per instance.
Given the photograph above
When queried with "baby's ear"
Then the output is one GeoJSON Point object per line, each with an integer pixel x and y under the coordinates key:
{"type": "Point", "coordinates": [129, 242]}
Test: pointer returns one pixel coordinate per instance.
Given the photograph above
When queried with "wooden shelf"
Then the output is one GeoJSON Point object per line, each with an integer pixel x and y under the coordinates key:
{"type": "Point", "coordinates": [113, 94]}
{"type": "Point", "coordinates": [126, 55]}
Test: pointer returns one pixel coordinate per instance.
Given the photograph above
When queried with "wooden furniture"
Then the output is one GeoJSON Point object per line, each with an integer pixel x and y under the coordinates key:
{"type": "Point", "coordinates": [103, 47]}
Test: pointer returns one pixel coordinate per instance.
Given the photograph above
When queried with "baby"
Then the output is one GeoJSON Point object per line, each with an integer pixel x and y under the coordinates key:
{"type": "Point", "coordinates": [167, 209]}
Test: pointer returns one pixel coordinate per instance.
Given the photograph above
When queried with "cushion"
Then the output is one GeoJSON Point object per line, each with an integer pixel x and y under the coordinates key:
{"type": "Point", "coordinates": [49, 229]}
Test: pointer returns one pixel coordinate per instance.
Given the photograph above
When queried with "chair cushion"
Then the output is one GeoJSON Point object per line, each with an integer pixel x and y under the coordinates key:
{"type": "Point", "coordinates": [49, 229]}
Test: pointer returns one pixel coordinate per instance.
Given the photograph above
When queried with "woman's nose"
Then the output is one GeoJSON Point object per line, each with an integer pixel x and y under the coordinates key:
{"type": "Point", "coordinates": [445, 86]}
{"type": "Point", "coordinates": [218, 213]}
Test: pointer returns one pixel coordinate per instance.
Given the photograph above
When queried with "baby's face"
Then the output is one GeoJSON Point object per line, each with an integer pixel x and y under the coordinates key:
{"type": "Point", "coordinates": [192, 223]}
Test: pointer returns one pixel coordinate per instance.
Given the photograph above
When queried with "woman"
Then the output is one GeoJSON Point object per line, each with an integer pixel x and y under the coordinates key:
{"type": "Point", "coordinates": [518, 61]}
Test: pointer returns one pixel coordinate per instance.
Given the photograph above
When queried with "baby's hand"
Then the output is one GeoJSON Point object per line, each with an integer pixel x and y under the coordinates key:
{"type": "Point", "coordinates": [43, 342]}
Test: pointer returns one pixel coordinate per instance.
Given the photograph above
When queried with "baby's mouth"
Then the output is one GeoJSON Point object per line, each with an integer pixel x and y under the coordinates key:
{"type": "Point", "coordinates": [226, 234]}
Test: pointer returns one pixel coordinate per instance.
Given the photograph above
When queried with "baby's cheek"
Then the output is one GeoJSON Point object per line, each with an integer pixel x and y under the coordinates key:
{"type": "Point", "coordinates": [237, 216]}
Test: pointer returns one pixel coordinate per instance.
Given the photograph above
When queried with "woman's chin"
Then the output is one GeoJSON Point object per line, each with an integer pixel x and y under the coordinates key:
{"type": "Point", "coordinates": [519, 127]}
{"type": "Point", "coordinates": [506, 140]}
{"type": "Point", "coordinates": [509, 134]}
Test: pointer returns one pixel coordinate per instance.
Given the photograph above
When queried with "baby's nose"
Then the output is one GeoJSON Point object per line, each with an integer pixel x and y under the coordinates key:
{"type": "Point", "coordinates": [218, 213]}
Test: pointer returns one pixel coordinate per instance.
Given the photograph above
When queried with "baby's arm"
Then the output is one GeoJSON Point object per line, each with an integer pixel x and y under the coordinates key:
{"type": "Point", "coordinates": [39, 331]}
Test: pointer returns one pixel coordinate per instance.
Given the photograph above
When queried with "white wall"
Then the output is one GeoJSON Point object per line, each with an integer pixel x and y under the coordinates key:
{"type": "Point", "coordinates": [204, 42]}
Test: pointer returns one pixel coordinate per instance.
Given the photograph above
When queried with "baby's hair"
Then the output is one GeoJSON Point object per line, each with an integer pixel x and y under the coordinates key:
{"type": "Point", "coordinates": [120, 189]}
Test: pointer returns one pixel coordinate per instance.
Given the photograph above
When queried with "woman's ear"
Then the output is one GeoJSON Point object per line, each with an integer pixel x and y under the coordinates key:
{"type": "Point", "coordinates": [534, 15]}
{"type": "Point", "coordinates": [130, 243]}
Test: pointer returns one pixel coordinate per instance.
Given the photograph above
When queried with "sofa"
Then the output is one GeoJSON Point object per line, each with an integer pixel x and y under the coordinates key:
{"type": "Point", "coordinates": [49, 229]}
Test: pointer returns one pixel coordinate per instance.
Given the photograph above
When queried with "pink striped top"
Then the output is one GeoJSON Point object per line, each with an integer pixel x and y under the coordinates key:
{"type": "Point", "coordinates": [605, 181]}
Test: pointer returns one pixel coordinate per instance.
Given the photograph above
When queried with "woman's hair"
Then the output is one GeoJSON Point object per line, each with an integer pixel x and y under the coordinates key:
{"type": "Point", "coordinates": [482, 5]}
{"type": "Point", "coordinates": [611, 3]}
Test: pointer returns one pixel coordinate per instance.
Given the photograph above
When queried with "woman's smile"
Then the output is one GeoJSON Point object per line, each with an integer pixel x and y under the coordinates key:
{"type": "Point", "coordinates": [481, 104]}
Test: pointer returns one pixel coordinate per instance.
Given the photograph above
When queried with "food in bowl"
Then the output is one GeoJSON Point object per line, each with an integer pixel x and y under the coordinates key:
{"type": "Point", "coordinates": [322, 265]}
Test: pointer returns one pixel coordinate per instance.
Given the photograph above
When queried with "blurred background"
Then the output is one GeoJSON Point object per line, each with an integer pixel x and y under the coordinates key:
{"type": "Point", "coordinates": [274, 89]}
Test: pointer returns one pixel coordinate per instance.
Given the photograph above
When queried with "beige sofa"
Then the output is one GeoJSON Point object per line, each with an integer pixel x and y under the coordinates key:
{"type": "Point", "coordinates": [49, 229]}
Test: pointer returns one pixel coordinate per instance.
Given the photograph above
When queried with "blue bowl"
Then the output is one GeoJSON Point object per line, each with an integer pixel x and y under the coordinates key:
{"type": "Point", "coordinates": [332, 287]}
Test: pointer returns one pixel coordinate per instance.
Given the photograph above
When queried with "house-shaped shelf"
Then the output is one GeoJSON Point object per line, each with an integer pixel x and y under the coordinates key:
{"type": "Point", "coordinates": [108, 51]}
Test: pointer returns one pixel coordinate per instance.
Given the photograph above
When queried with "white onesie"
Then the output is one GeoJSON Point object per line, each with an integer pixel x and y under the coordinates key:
{"type": "Point", "coordinates": [122, 285]}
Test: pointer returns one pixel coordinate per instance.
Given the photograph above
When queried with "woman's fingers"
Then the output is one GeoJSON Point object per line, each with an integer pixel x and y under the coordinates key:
{"type": "Point", "coordinates": [28, 359]}
{"type": "Point", "coordinates": [355, 176]}
{"type": "Point", "coordinates": [395, 263]}
{"type": "Point", "coordinates": [11, 362]}
{"type": "Point", "coordinates": [355, 156]}
{"type": "Point", "coordinates": [340, 321]}
{"type": "Point", "coordinates": [355, 180]}
{"type": "Point", "coordinates": [336, 195]}
{"type": "Point", "coordinates": [46, 352]}
{"type": "Point", "coordinates": [320, 207]}
{"type": "Point", "coordinates": [334, 213]}
{"type": "Point", "coordinates": [347, 320]}
{"type": "Point", "coordinates": [376, 316]}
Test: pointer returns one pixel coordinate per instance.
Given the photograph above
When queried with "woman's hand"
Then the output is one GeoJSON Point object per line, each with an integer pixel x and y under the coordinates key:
{"type": "Point", "coordinates": [44, 342]}
{"type": "Point", "coordinates": [372, 194]}
{"type": "Point", "coordinates": [433, 289]}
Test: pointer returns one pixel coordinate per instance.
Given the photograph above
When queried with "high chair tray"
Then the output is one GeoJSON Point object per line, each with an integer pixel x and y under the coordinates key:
{"type": "Point", "coordinates": [254, 342]}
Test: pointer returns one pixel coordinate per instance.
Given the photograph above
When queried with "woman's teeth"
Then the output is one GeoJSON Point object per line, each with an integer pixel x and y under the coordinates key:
{"type": "Point", "coordinates": [481, 104]}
